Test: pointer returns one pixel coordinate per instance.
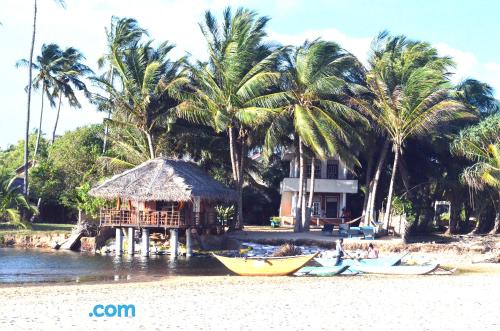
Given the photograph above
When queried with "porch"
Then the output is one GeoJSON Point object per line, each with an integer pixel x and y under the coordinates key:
{"type": "Point", "coordinates": [166, 219]}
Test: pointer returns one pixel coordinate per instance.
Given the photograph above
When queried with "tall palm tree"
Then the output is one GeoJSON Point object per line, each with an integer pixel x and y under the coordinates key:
{"type": "Point", "coordinates": [48, 64]}
{"type": "Point", "coordinates": [151, 87]}
{"type": "Point", "coordinates": [241, 69]}
{"type": "Point", "coordinates": [28, 111]}
{"type": "Point", "coordinates": [68, 79]}
{"type": "Point", "coordinates": [313, 104]}
{"type": "Point", "coordinates": [411, 96]}
{"type": "Point", "coordinates": [123, 33]}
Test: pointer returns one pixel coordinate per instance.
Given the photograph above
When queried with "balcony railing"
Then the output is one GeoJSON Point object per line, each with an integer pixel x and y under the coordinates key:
{"type": "Point", "coordinates": [163, 219]}
{"type": "Point", "coordinates": [322, 185]}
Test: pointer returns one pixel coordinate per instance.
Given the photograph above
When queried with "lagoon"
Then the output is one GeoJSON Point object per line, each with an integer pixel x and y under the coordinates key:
{"type": "Point", "coordinates": [51, 266]}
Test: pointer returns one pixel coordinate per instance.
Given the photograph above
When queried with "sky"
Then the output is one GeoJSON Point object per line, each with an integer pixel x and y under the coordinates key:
{"type": "Point", "coordinates": [466, 30]}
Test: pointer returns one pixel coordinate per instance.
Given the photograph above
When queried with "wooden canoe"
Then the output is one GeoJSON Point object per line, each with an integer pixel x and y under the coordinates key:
{"type": "Point", "coordinates": [265, 266]}
{"type": "Point", "coordinates": [321, 271]}
{"type": "Point", "coordinates": [398, 270]}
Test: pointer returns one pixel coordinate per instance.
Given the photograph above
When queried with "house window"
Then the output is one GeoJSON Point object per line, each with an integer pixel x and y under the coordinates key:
{"type": "Point", "coordinates": [316, 208]}
{"type": "Point", "coordinates": [317, 170]}
{"type": "Point", "coordinates": [332, 170]}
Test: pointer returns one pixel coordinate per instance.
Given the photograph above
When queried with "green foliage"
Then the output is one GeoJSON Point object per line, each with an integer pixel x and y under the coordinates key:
{"type": "Point", "coordinates": [84, 202]}
{"type": "Point", "coordinates": [13, 202]}
{"type": "Point", "coordinates": [225, 214]}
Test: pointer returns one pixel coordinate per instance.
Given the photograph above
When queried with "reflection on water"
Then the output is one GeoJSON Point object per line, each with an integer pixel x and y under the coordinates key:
{"type": "Point", "coordinates": [30, 265]}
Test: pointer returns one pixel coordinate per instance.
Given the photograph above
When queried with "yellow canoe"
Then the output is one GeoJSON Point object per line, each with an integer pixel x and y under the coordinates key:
{"type": "Point", "coordinates": [265, 266]}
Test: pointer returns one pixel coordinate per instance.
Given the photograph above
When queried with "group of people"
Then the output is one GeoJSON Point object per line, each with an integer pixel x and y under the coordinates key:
{"type": "Point", "coordinates": [339, 253]}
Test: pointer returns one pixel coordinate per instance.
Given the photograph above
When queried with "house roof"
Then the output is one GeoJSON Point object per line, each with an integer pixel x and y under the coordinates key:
{"type": "Point", "coordinates": [163, 179]}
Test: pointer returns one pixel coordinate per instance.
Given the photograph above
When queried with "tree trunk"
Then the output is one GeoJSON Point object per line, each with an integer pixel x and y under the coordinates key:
{"type": "Point", "coordinates": [232, 152]}
{"type": "Point", "coordinates": [405, 177]}
{"type": "Point", "coordinates": [307, 220]}
{"type": "Point", "coordinates": [496, 226]}
{"type": "Point", "coordinates": [298, 212]}
{"type": "Point", "coordinates": [106, 128]}
{"type": "Point", "coordinates": [27, 133]}
{"type": "Point", "coordinates": [370, 209]}
{"type": "Point", "coordinates": [388, 207]}
{"type": "Point", "coordinates": [368, 185]}
{"type": "Point", "coordinates": [239, 220]}
{"type": "Point", "coordinates": [149, 136]}
{"type": "Point", "coordinates": [57, 117]}
{"type": "Point", "coordinates": [454, 217]}
{"type": "Point", "coordinates": [39, 125]}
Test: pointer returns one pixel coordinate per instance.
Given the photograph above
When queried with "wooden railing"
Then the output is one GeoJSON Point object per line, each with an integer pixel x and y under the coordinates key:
{"type": "Point", "coordinates": [155, 218]}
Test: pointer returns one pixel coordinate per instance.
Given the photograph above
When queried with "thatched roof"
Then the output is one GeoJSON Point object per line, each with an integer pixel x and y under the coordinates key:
{"type": "Point", "coordinates": [163, 179]}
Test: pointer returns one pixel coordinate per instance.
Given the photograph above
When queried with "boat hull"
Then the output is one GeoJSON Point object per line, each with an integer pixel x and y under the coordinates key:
{"type": "Point", "coordinates": [385, 261]}
{"type": "Point", "coordinates": [265, 266]}
{"type": "Point", "coordinates": [399, 270]}
{"type": "Point", "coordinates": [321, 271]}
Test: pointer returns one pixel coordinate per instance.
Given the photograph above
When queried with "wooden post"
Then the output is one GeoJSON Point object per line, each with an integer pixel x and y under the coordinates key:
{"type": "Point", "coordinates": [145, 242]}
{"type": "Point", "coordinates": [189, 243]}
{"type": "Point", "coordinates": [131, 241]}
{"type": "Point", "coordinates": [118, 242]}
{"type": "Point", "coordinates": [174, 242]}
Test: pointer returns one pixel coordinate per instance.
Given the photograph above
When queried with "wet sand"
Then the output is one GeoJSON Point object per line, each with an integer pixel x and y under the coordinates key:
{"type": "Point", "coordinates": [458, 302]}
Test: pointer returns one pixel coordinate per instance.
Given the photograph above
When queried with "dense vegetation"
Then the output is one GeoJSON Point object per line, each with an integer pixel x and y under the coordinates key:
{"type": "Point", "coordinates": [402, 127]}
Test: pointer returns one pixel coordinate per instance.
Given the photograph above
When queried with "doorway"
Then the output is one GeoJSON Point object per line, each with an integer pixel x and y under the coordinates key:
{"type": "Point", "coordinates": [331, 207]}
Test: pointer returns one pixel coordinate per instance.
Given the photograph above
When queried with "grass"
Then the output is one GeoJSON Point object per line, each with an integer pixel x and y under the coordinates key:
{"type": "Point", "coordinates": [36, 228]}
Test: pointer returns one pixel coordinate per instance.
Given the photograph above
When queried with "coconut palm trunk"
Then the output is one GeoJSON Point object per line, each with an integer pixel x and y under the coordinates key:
{"type": "Point", "coordinates": [376, 179]}
{"type": "Point", "coordinates": [298, 212]}
{"type": "Point", "coordinates": [26, 136]}
{"type": "Point", "coordinates": [237, 164]}
{"type": "Point", "coordinates": [149, 137]}
{"type": "Point", "coordinates": [496, 226]}
{"type": "Point", "coordinates": [106, 128]}
{"type": "Point", "coordinates": [388, 207]}
{"type": "Point", "coordinates": [57, 117]}
{"type": "Point", "coordinates": [307, 219]}
{"type": "Point", "coordinates": [39, 134]}
{"type": "Point", "coordinates": [368, 185]}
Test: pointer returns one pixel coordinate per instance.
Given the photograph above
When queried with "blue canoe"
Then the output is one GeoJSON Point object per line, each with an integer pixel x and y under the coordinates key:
{"type": "Point", "coordinates": [352, 263]}
{"type": "Point", "coordinates": [321, 271]}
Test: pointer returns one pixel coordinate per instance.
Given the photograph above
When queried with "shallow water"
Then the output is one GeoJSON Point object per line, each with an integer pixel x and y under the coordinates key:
{"type": "Point", "coordinates": [35, 266]}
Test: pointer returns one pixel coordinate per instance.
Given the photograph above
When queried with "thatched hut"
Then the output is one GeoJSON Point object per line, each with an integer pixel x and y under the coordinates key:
{"type": "Point", "coordinates": [161, 193]}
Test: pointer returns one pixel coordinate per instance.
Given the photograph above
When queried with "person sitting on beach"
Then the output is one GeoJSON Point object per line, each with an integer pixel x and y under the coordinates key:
{"type": "Point", "coordinates": [339, 250]}
{"type": "Point", "coordinates": [372, 252]}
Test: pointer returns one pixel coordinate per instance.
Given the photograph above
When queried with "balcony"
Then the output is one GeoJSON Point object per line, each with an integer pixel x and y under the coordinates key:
{"type": "Point", "coordinates": [154, 219]}
{"type": "Point", "coordinates": [322, 185]}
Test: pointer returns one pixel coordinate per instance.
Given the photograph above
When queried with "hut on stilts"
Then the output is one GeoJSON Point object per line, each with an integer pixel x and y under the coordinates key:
{"type": "Point", "coordinates": [161, 194]}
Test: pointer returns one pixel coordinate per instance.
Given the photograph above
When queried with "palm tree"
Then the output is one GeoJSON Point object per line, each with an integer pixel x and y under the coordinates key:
{"type": "Point", "coordinates": [48, 64]}
{"type": "Point", "coordinates": [12, 201]}
{"type": "Point", "coordinates": [241, 69]}
{"type": "Point", "coordinates": [69, 78]}
{"type": "Point", "coordinates": [411, 96]}
{"type": "Point", "coordinates": [28, 111]}
{"type": "Point", "coordinates": [123, 33]}
{"type": "Point", "coordinates": [151, 88]}
{"type": "Point", "coordinates": [481, 144]}
{"type": "Point", "coordinates": [313, 105]}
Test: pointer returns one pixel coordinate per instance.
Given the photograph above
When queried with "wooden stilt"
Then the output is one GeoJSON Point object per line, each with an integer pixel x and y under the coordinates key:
{"type": "Point", "coordinates": [174, 242]}
{"type": "Point", "coordinates": [131, 241]}
{"type": "Point", "coordinates": [118, 242]}
{"type": "Point", "coordinates": [189, 244]}
{"type": "Point", "coordinates": [145, 242]}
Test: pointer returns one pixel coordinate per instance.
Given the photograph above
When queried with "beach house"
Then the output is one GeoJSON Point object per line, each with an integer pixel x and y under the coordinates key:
{"type": "Point", "coordinates": [332, 187]}
{"type": "Point", "coordinates": [159, 195]}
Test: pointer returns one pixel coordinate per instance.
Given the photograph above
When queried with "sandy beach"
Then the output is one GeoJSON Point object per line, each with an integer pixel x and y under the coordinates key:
{"type": "Point", "coordinates": [458, 302]}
